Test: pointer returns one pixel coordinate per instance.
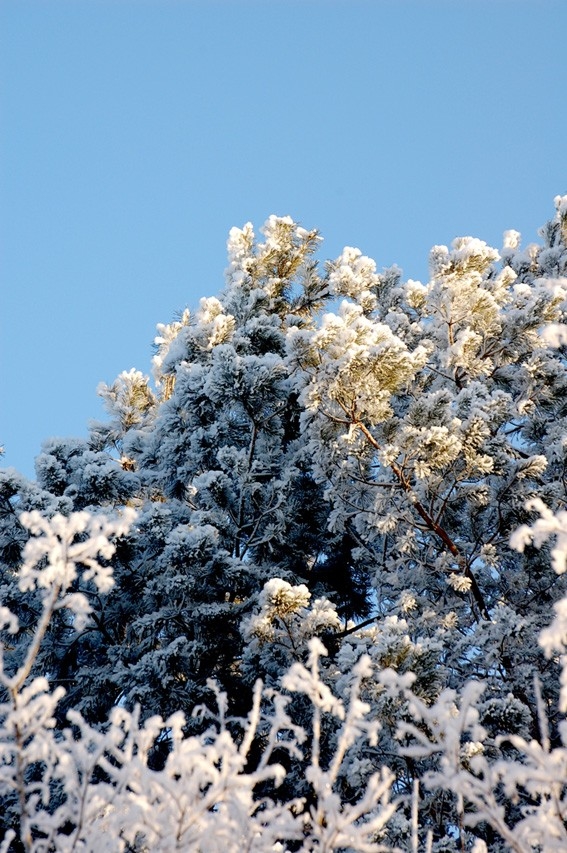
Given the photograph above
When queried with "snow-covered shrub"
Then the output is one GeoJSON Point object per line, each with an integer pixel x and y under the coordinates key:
{"type": "Point", "coordinates": [75, 787]}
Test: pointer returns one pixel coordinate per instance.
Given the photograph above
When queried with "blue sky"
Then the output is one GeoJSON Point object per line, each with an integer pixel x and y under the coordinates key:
{"type": "Point", "coordinates": [135, 134]}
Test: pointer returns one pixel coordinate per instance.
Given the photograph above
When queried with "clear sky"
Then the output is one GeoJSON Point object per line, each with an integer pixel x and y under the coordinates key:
{"type": "Point", "coordinates": [135, 134]}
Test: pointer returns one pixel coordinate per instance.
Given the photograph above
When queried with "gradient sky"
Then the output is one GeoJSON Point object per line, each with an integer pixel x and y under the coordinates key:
{"type": "Point", "coordinates": [135, 134]}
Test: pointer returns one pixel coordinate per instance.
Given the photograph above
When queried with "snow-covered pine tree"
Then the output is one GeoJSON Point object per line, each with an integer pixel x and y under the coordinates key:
{"type": "Point", "coordinates": [333, 452]}
{"type": "Point", "coordinates": [215, 462]}
{"type": "Point", "coordinates": [436, 413]}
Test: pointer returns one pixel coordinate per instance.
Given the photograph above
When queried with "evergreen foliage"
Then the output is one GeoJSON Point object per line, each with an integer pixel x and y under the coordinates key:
{"type": "Point", "coordinates": [338, 482]}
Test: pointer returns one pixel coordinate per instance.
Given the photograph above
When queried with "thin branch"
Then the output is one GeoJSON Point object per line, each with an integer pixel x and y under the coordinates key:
{"type": "Point", "coordinates": [430, 522]}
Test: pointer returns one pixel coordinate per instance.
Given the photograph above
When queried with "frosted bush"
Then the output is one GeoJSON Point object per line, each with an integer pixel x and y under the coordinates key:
{"type": "Point", "coordinates": [78, 788]}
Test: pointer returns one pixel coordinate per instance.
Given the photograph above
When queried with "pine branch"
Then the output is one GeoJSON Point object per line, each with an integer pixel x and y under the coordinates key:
{"type": "Point", "coordinates": [432, 525]}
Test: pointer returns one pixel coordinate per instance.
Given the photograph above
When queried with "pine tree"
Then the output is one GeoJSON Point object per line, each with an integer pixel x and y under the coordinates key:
{"type": "Point", "coordinates": [327, 452]}
{"type": "Point", "coordinates": [215, 462]}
